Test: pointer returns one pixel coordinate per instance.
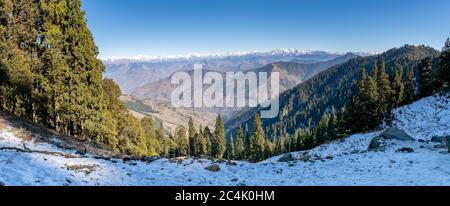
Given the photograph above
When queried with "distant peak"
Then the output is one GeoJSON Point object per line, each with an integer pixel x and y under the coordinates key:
{"type": "Point", "coordinates": [192, 56]}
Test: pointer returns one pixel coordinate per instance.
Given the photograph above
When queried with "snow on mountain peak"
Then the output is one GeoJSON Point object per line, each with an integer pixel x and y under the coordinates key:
{"type": "Point", "coordinates": [276, 52]}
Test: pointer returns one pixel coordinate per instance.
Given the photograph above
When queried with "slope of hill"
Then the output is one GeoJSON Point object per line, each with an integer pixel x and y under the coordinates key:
{"type": "Point", "coordinates": [164, 112]}
{"type": "Point", "coordinates": [291, 74]}
{"type": "Point", "coordinates": [31, 161]}
{"type": "Point", "coordinates": [331, 88]}
{"type": "Point", "coordinates": [131, 73]}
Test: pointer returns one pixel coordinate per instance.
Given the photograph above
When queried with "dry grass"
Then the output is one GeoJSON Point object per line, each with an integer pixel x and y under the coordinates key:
{"type": "Point", "coordinates": [22, 134]}
{"type": "Point", "coordinates": [86, 169]}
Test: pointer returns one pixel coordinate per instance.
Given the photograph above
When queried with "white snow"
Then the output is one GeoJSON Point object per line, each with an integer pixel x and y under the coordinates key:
{"type": "Point", "coordinates": [347, 162]}
{"type": "Point", "coordinates": [425, 118]}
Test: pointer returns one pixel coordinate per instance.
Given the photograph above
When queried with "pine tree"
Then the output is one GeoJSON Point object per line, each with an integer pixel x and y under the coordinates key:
{"type": "Point", "coordinates": [230, 148]}
{"type": "Point", "coordinates": [148, 126]}
{"type": "Point", "coordinates": [181, 141]}
{"type": "Point", "coordinates": [398, 88]}
{"type": "Point", "coordinates": [384, 90]}
{"type": "Point", "coordinates": [240, 148]}
{"type": "Point", "coordinates": [209, 141]}
{"type": "Point", "coordinates": [220, 140]}
{"type": "Point", "coordinates": [322, 129]}
{"type": "Point", "coordinates": [425, 69]}
{"type": "Point", "coordinates": [202, 142]}
{"type": "Point", "coordinates": [444, 66]}
{"type": "Point", "coordinates": [258, 140]}
{"type": "Point", "coordinates": [193, 143]}
{"type": "Point", "coordinates": [410, 88]}
{"type": "Point", "coordinates": [363, 112]}
{"type": "Point", "coordinates": [332, 126]}
{"type": "Point", "coordinates": [247, 145]}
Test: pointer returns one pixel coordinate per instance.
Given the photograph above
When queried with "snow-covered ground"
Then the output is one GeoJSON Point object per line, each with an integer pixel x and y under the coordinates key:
{"type": "Point", "coordinates": [345, 162]}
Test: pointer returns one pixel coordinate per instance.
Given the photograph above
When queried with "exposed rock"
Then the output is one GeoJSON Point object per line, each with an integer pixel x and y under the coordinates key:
{"type": "Point", "coordinates": [213, 168]}
{"type": "Point", "coordinates": [406, 150]}
{"type": "Point", "coordinates": [231, 163]}
{"type": "Point", "coordinates": [442, 140]}
{"type": "Point", "coordinates": [396, 134]}
{"type": "Point", "coordinates": [287, 158]}
{"type": "Point", "coordinates": [375, 143]}
{"type": "Point", "coordinates": [150, 159]}
{"type": "Point", "coordinates": [389, 134]}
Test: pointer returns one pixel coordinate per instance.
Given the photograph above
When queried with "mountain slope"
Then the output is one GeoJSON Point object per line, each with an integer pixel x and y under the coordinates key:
{"type": "Point", "coordinates": [332, 88]}
{"type": "Point", "coordinates": [291, 74]}
{"type": "Point", "coordinates": [342, 163]}
{"type": "Point", "coordinates": [131, 73]}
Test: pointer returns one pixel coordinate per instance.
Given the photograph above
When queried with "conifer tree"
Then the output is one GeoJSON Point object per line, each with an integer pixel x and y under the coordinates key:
{"type": "Point", "coordinates": [258, 140]}
{"type": "Point", "coordinates": [398, 88]}
{"type": "Point", "coordinates": [230, 148]}
{"type": "Point", "coordinates": [247, 145]}
{"type": "Point", "coordinates": [220, 140]}
{"type": "Point", "coordinates": [322, 130]}
{"type": "Point", "coordinates": [425, 69]}
{"type": "Point", "coordinates": [410, 88]}
{"type": "Point", "coordinates": [181, 140]}
{"type": "Point", "coordinates": [193, 143]}
{"type": "Point", "coordinates": [209, 141]}
{"type": "Point", "coordinates": [240, 148]}
{"type": "Point", "coordinates": [444, 66]}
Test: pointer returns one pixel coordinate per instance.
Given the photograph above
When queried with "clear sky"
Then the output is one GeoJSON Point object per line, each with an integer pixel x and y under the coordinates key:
{"type": "Point", "coordinates": [172, 27]}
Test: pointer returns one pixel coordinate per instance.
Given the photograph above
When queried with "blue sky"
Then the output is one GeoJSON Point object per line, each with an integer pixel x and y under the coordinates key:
{"type": "Point", "coordinates": [172, 27]}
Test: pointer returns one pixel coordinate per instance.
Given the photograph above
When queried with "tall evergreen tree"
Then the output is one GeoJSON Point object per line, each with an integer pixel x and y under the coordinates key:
{"type": "Point", "coordinates": [425, 69]}
{"type": "Point", "coordinates": [209, 141]}
{"type": "Point", "coordinates": [444, 66]}
{"type": "Point", "coordinates": [398, 88]}
{"type": "Point", "coordinates": [258, 140]}
{"type": "Point", "coordinates": [230, 148]}
{"type": "Point", "coordinates": [240, 148]}
{"type": "Point", "coordinates": [220, 140]}
{"type": "Point", "coordinates": [247, 145]}
{"type": "Point", "coordinates": [193, 143]}
{"type": "Point", "coordinates": [410, 88]}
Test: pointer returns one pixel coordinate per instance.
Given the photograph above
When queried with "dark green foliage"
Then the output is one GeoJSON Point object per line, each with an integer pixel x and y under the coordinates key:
{"type": "Point", "coordinates": [240, 148]}
{"type": "Point", "coordinates": [426, 77]}
{"type": "Point", "coordinates": [220, 143]}
{"type": "Point", "coordinates": [257, 140]}
{"type": "Point", "coordinates": [444, 67]}
{"type": "Point", "coordinates": [139, 106]}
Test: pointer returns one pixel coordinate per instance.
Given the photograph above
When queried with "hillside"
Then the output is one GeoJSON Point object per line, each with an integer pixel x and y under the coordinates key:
{"type": "Point", "coordinates": [31, 161]}
{"type": "Point", "coordinates": [132, 73]}
{"type": "Point", "coordinates": [330, 89]}
{"type": "Point", "coordinates": [291, 74]}
{"type": "Point", "coordinates": [164, 112]}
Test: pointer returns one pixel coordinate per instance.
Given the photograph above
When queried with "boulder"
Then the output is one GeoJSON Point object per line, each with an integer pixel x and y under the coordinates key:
{"type": "Point", "coordinates": [405, 150]}
{"type": "Point", "coordinates": [396, 134]}
{"type": "Point", "coordinates": [213, 168]}
{"type": "Point", "coordinates": [150, 159]}
{"type": "Point", "coordinates": [443, 140]}
{"type": "Point", "coordinates": [231, 163]}
{"type": "Point", "coordinates": [287, 158]}
{"type": "Point", "coordinates": [375, 143]}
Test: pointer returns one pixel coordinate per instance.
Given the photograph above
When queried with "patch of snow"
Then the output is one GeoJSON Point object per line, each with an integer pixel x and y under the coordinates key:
{"type": "Point", "coordinates": [425, 118]}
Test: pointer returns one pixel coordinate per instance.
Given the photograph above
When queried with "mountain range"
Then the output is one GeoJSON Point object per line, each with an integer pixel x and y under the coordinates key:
{"type": "Point", "coordinates": [133, 72]}
{"type": "Point", "coordinates": [306, 103]}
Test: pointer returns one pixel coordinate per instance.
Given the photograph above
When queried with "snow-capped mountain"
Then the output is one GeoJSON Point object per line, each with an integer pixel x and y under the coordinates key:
{"type": "Point", "coordinates": [133, 72]}
{"type": "Point", "coordinates": [193, 56]}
